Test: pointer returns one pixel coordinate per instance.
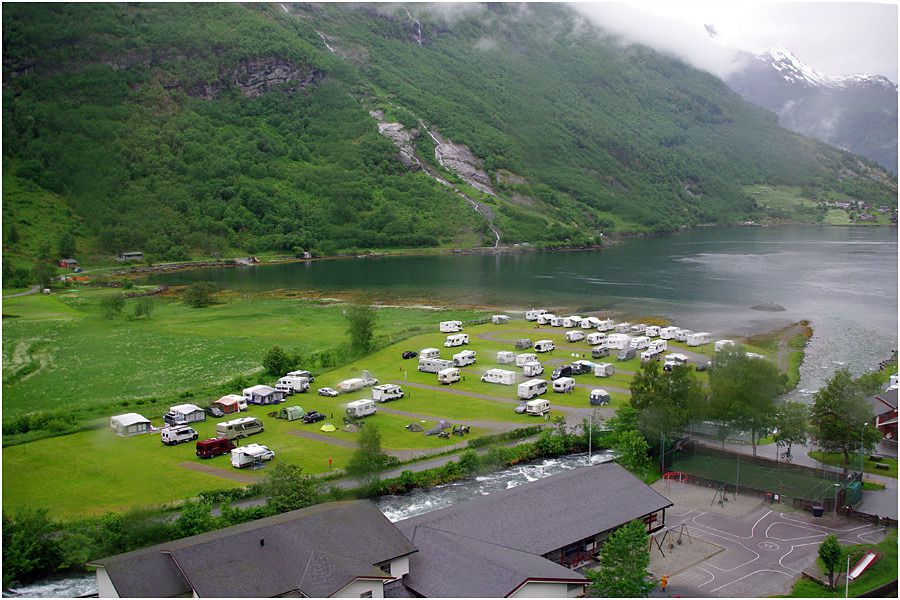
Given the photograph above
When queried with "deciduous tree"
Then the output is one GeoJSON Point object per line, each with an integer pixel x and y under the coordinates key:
{"type": "Point", "coordinates": [276, 361]}
{"type": "Point", "coordinates": [792, 423]}
{"type": "Point", "coordinates": [289, 488]}
{"type": "Point", "coordinates": [361, 319]}
{"type": "Point", "coordinates": [832, 556]}
{"type": "Point", "coordinates": [368, 460]}
{"type": "Point", "coordinates": [843, 418]}
{"type": "Point", "coordinates": [199, 294]}
{"type": "Point", "coordinates": [665, 402]}
{"type": "Point", "coordinates": [623, 565]}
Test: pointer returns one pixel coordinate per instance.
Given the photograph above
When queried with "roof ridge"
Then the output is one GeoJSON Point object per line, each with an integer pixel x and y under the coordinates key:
{"type": "Point", "coordinates": [469, 537]}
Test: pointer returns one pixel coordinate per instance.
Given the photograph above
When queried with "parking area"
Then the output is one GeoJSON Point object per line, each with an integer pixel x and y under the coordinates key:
{"type": "Point", "coordinates": [763, 551]}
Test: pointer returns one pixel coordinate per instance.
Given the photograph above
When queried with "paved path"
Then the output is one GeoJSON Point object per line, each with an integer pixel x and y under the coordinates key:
{"type": "Point", "coordinates": [33, 290]}
{"type": "Point", "coordinates": [230, 473]}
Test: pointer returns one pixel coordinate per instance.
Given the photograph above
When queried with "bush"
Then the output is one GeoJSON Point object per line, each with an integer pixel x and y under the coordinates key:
{"type": "Point", "coordinates": [199, 294]}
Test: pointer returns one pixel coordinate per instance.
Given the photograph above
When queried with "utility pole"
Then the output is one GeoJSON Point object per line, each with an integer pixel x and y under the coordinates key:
{"type": "Point", "coordinates": [590, 434]}
{"type": "Point", "coordinates": [662, 456]}
{"type": "Point", "coordinates": [737, 485]}
{"type": "Point", "coordinates": [847, 578]}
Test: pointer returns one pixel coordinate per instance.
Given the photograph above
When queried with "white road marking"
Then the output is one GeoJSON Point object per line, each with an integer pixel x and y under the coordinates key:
{"type": "Point", "coordinates": [748, 575]}
{"type": "Point", "coordinates": [712, 577]}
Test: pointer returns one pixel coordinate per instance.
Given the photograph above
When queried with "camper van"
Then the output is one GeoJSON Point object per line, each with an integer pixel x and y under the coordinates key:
{"type": "Point", "coordinates": [626, 354]}
{"type": "Point", "coordinates": [639, 343]}
{"type": "Point", "coordinates": [581, 366]}
{"type": "Point", "coordinates": [599, 351]}
{"type": "Point", "coordinates": [589, 322]}
{"type": "Point", "coordinates": [534, 314]}
{"type": "Point", "coordinates": [721, 344]}
{"type": "Point", "coordinates": [214, 447]}
{"type": "Point", "coordinates": [429, 353]}
{"type": "Point", "coordinates": [638, 328]}
{"type": "Point", "coordinates": [433, 365]}
{"type": "Point", "coordinates": [464, 358]}
{"type": "Point", "coordinates": [456, 340]}
{"type": "Point", "coordinates": [521, 359]}
{"type": "Point", "coordinates": [563, 385]}
{"type": "Point", "coordinates": [450, 326]}
{"type": "Point", "coordinates": [618, 341]}
{"type": "Point", "coordinates": [175, 435]}
{"type": "Point", "coordinates": [604, 370]}
{"type": "Point", "coordinates": [537, 408]}
{"type": "Point", "coordinates": [605, 325]}
{"type": "Point", "coordinates": [599, 397]}
{"type": "Point", "coordinates": [574, 335]}
{"type": "Point", "coordinates": [623, 327]}
{"type": "Point", "coordinates": [499, 319]}
{"type": "Point", "coordinates": [543, 346]}
{"type": "Point", "coordinates": [239, 428]}
{"type": "Point", "coordinates": [648, 355]}
{"type": "Point", "coordinates": [561, 371]}
{"type": "Point", "coordinates": [449, 375]}
{"type": "Point", "coordinates": [557, 321]}
{"type": "Point", "coordinates": [532, 369]}
{"type": "Point", "coordinates": [652, 331]}
{"type": "Point", "coordinates": [668, 333]}
{"type": "Point", "coordinates": [361, 408]}
{"type": "Point", "coordinates": [250, 454]}
{"type": "Point", "coordinates": [386, 392]}
{"type": "Point", "coordinates": [531, 389]}
{"type": "Point", "coordinates": [356, 383]}
{"type": "Point", "coordinates": [506, 358]}
{"type": "Point", "coordinates": [573, 321]}
{"type": "Point", "coordinates": [545, 318]}
{"type": "Point", "coordinates": [681, 335]}
{"type": "Point", "coordinates": [658, 346]}
{"type": "Point", "coordinates": [698, 339]}
{"type": "Point", "coordinates": [306, 374]}
{"type": "Point", "coordinates": [674, 360]}
{"type": "Point", "coordinates": [500, 376]}
{"type": "Point", "coordinates": [292, 385]}
{"type": "Point", "coordinates": [594, 339]}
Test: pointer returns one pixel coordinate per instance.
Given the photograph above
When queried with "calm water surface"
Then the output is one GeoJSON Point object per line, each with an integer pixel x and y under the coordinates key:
{"type": "Point", "coordinates": [842, 279]}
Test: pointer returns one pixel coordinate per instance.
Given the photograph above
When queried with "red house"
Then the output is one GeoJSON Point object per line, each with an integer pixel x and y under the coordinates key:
{"type": "Point", "coordinates": [68, 263]}
{"type": "Point", "coordinates": [884, 407]}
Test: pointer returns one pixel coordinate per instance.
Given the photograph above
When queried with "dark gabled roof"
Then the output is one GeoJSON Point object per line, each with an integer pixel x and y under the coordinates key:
{"type": "Point", "coordinates": [297, 548]}
{"type": "Point", "coordinates": [548, 514]}
{"type": "Point", "coordinates": [884, 402]}
{"type": "Point", "coordinates": [451, 565]}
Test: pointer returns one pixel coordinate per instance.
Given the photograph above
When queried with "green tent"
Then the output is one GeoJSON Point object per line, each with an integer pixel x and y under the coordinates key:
{"type": "Point", "coordinates": [291, 413]}
{"type": "Point", "coordinates": [328, 427]}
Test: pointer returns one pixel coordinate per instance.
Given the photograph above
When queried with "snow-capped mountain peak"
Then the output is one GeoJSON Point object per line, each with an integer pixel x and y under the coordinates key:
{"type": "Point", "coordinates": [794, 70]}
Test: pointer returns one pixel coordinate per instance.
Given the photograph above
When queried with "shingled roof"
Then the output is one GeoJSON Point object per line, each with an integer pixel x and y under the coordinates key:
{"type": "Point", "coordinates": [315, 550]}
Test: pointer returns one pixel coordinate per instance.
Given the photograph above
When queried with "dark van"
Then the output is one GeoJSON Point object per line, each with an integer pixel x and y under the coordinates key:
{"type": "Point", "coordinates": [563, 371]}
{"type": "Point", "coordinates": [214, 447]}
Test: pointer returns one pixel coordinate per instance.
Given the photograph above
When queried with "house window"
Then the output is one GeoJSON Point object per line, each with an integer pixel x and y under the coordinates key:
{"type": "Point", "coordinates": [366, 594]}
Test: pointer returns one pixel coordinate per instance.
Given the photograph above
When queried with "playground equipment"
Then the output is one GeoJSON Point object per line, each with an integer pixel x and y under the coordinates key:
{"type": "Point", "coordinates": [670, 537]}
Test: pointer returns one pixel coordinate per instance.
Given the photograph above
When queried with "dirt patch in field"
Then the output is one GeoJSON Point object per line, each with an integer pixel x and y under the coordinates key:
{"type": "Point", "coordinates": [239, 476]}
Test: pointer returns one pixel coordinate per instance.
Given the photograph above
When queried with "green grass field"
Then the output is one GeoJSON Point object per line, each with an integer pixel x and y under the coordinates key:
{"type": "Point", "coordinates": [883, 571]}
{"type": "Point", "coordinates": [837, 460]}
{"type": "Point", "coordinates": [786, 481]}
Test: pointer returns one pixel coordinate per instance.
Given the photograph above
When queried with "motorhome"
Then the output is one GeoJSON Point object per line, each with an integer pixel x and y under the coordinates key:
{"type": "Point", "coordinates": [292, 385]}
{"type": "Point", "coordinates": [450, 326]}
{"type": "Point", "coordinates": [623, 327]}
{"type": "Point", "coordinates": [239, 428]}
{"type": "Point", "coordinates": [531, 389]}
{"type": "Point", "coordinates": [429, 353]}
{"type": "Point", "coordinates": [500, 376]}
{"type": "Point", "coordinates": [458, 339]}
{"type": "Point", "coordinates": [178, 434]}
{"type": "Point", "coordinates": [648, 355]}
{"type": "Point", "coordinates": [573, 321]}
{"type": "Point", "coordinates": [574, 335]}
{"type": "Point", "coordinates": [537, 408]}
{"type": "Point", "coordinates": [639, 328]}
{"type": "Point", "coordinates": [545, 318]}
{"type": "Point", "coordinates": [599, 397]}
{"type": "Point", "coordinates": [499, 319]}
{"type": "Point", "coordinates": [626, 354]}
{"type": "Point", "coordinates": [541, 346]}
{"type": "Point", "coordinates": [674, 360]}
{"type": "Point", "coordinates": [506, 358]}
{"type": "Point", "coordinates": [306, 374]}
{"type": "Point", "coordinates": [464, 358]}
{"type": "Point", "coordinates": [668, 333]}
{"type": "Point", "coordinates": [557, 321]}
{"type": "Point", "coordinates": [639, 343]}
{"type": "Point", "coordinates": [433, 365]}
{"type": "Point", "coordinates": [250, 454]}
{"type": "Point", "coordinates": [700, 338]}
{"type": "Point", "coordinates": [589, 322]}
{"type": "Point", "coordinates": [521, 359]}
{"type": "Point", "coordinates": [721, 344]}
{"type": "Point", "coordinates": [658, 345]}
{"type": "Point", "coordinates": [599, 351]}
{"type": "Point", "coordinates": [605, 325]}
{"type": "Point", "coordinates": [652, 331]}
{"type": "Point", "coordinates": [361, 408]}
{"type": "Point", "coordinates": [682, 334]}
{"type": "Point", "coordinates": [594, 339]}
{"type": "Point", "coordinates": [449, 375]}
{"type": "Point", "coordinates": [534, 314]}
{"type": "Point", "coordinates": [604, 370]}
{"type": "Point", "coordinates": [563, 385]}
{"type": "Point", "coordinates": [356, 383]}
{"type": "Point", "coordinates": [618, 341]}
{"type": "Point", "coordinates": [386, 392]}
{"type": "Point", "coordinates": [532, 369]}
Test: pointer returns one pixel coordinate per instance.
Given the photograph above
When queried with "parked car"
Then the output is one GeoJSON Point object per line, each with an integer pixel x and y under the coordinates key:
{"type": "Point", "coordinates": [214, 447]}
{"type": "Point", "coordinates": [313, 417]}
{"type": "Point", "coordinates": [214, 411]}
{"type": "Point", "coordinates": [327, 391]}
{"type": "Point", "coordinates": [409, 354]}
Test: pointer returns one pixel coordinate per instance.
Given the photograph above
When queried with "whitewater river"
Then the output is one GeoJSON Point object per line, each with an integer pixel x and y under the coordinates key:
{"type": "Point", "coordinates": [395, 508]}
{"type": "Point", "coordinates": [842, 279]}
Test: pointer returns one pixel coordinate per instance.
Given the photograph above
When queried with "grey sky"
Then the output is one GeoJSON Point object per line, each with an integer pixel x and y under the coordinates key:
{"type": "Point", "coordinates": [835, 38]}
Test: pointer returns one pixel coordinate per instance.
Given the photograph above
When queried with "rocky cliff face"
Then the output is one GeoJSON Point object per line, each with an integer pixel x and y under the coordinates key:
{"type": "Point", "coordinates": [255, 77]}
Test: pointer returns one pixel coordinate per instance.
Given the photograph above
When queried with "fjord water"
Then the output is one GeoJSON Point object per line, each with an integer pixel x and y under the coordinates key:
{"type": "Point", "coordinates": [842, 279]}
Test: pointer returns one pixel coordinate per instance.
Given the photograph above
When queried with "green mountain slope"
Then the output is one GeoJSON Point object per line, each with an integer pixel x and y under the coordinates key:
{"type": "Point", "coordinates": [198, 129]}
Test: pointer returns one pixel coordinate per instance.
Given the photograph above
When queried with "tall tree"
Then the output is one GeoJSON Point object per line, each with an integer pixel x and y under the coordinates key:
{"type": "Point", "coordinates": [842, 417]}
{"type": "Point", "coordinates": [743, 391]}
{"type": "Point", "coordinates": [361, 319]}
{"type": "Point", "coordinates": [628, 442]}
{"type": "Point", "coordinates": [792, 423]}
{"type": "Point", "coordinates": [665, 402]}
{"type": "Point", "coordinates": [368, 460]}
{"type": "Point", "coordinates": [276, 361]}
{"type": "Point", "coordinates": [288, 488]}
{"type": "Point", "coordinates": [623, 565]}
{"type": "Point", "coordinates": [66, 245]}
{"type": "Point", "coordinates": [832, 556]}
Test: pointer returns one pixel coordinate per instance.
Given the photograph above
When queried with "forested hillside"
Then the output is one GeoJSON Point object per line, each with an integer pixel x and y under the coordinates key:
{"type": "Point", "coordinates": [211, 129]}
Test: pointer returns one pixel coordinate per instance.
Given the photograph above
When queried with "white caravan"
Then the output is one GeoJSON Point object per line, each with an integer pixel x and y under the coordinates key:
{"type": "Point", "coordinates": [573, 321]}
{"type": "Point", "coordinates": [682, 334]}
{"type": "Point", "coordinates": [605, 325]}
{"type": "Point", "coordinates": [361, 408]}
{"type": "Point", "coordinates": [456, 340]}
{"type": "Point", "coordinates": [674, 360]}
{"type": "Point", "coordinates": [658, 346]}
{"type": "Point", "coordinates": [595, 339]}
{"type": "Point", "coordinates": [556, 321]}
{"type": "Point", "coordinates": [700, 338]}
{"type": "Point", "coordinates": [531, 389]}
{"type": "Point", "coordinates": [245, 456]}
{"type": "Point", "coordinates": [499, 319]}
{"type": "Point", "coordinates": [652, 331]}
{"type": "Point", "coordinates": [506, 358]}
{"type": "Point", "coordinates": [537, 408]}
{"type": "Point", "coordinates": [521, 359]}
{"type": "Point", "coordinates": [429, 353]}
{"type": "Point", "coordinates": [604, 370]}
{"type": "Point", "coordinates": [563, 385]}
{"type": "Point", "coordinates": [500, 376]}
{"type": "Point", "coordinates": [433, 365]}
{"type": "Point", "coordinates": [599, 397]}
{"type": "Point", "coordinates": [450, 326]}
{"type": "Point", "coordinates": [668, 333]}
{"type": "Point", "coordinates": [720, 344]}
{"type": "Point", "coordinates": [356, 383]}
{"type": "Point", "coordinates": [534, 314]}
{"type": "Point", "coordinates": [464, 358]}
{"type": "Point", "coordinates": [448, 376]}
{"type": "Point", "coordinates": [543, 346]}
{"type": "Point", "coordinates": [386, 392]}
{"type": "Point", "coordinates": [623, 327]}
{"type": "Point", "coordinates": [574, 335]}
{"type": "Point", "coordinates": [589, 322]}
{"type": "Point", "coordinates": [638, 328]}
{"type": "Point", "coordinates": [532, 369]}
{"type": "Point", "coordinates": [545, 318]}
{"type": "Point", "coordinates": [618, 341]}
{"type": "Point", "coordinates": [639, 343]}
